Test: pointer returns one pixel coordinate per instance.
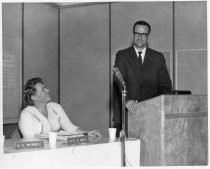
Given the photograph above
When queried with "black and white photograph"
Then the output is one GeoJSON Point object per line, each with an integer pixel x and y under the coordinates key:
{"type": "Point", "coordinates": [104, 84]}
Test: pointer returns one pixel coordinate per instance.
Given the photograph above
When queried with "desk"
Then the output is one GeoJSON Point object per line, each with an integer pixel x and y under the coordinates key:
{"type": "Point", "coordinates": [101, 153]}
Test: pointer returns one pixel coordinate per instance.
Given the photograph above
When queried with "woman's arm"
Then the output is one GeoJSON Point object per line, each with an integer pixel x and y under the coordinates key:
{"type": "Point", "coordinates": [26, 125]}
{"type": "Point", "coordinates": [65, 122]}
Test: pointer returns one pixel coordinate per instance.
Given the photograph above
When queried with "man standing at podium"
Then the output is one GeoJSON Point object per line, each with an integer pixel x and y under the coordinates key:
{"type": "Point", "coordinates": [143, 70]}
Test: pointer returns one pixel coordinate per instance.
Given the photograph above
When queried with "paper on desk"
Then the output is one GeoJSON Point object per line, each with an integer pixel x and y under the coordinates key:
{"type": "Point", "coordinates": [63, 135]}
{"type": "Point", "coordinates": [67, 133]}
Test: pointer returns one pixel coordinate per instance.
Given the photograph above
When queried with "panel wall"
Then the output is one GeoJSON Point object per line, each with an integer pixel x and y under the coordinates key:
{"type": "Point", "coordinates": [191, 46]}
{"type": "Point", "coordinates": [191, 71]}
{"type": "Point", "coordinates": [41, 45]}
{"type": "Point", "coordinates": [190, 25]}
{"type": "Point", "coordinates": [84, 70]}
{"type": "Point", "coordinates": [12, 61]}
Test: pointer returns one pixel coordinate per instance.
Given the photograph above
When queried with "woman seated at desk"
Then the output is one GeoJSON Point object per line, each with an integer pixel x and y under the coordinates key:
{"type": "Point", "coordinates": [40, 116]}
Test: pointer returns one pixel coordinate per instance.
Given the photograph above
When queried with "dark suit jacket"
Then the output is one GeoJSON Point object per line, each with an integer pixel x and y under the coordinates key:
{"type": "Point", "coordinates": [142, 81]}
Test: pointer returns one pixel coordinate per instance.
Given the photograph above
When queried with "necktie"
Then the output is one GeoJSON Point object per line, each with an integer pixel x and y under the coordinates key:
{"type": "Point", "coordinates": [139, 58]}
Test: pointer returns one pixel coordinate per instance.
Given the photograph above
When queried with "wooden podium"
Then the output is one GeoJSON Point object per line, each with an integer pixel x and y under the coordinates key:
{"type": "Point", "coordinates": [173, 130]}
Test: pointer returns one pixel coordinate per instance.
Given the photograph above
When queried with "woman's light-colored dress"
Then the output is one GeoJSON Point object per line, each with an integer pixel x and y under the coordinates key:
{"type": "Point", "coordinates": [33, 123]}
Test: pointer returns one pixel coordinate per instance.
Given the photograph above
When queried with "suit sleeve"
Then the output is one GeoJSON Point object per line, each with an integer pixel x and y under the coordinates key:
{"type": "Point", "coordinates": [164, 81]}
{"type": "Point", "coordinates": [120, 63]}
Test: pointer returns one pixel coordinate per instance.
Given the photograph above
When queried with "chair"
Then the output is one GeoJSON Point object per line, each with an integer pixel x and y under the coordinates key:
{"type": "Point", "coordinates": [16, 134]}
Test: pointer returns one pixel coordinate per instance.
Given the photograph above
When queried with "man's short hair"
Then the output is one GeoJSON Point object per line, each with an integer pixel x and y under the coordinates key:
{"type": "Point", "coordinates": [142, 23]}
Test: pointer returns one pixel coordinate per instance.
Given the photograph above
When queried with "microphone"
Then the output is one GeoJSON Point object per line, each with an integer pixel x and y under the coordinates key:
{"type": "Point", "coordinates": [118, 75]}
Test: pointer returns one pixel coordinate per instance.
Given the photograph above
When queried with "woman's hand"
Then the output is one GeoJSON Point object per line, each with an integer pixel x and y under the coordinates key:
{"type": "Point", "coordinates": [94, 135]}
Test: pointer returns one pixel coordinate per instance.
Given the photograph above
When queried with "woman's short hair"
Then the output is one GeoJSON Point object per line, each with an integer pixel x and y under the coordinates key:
{"type": "Point", "coordinates": [29, 90]}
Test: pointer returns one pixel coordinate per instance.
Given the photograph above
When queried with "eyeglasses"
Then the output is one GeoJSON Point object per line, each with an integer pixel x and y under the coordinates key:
{"type": "Point", "coordinates": [143, 35]}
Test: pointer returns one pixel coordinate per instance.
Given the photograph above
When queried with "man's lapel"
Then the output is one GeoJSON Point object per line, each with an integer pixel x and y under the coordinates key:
{"type": "Point", "coordinates": [147, 59]}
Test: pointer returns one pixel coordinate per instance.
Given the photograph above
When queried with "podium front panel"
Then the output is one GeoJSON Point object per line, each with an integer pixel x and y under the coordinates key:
{"type": "Point", "coordinates": [173, 130]}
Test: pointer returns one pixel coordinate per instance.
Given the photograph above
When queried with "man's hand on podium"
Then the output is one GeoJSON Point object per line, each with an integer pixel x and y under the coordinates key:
{"type": "Point", "coordinates": [131, 106]}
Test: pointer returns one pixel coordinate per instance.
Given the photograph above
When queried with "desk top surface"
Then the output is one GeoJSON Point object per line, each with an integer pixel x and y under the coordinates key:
{"type": "Point", "coordinates": [9, 144]}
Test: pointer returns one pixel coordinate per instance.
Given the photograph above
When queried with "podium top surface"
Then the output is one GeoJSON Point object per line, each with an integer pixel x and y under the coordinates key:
{"type": "Point", "coordinates": [173, 104]}
{"type": "Point", "coordinates": [184, 96]}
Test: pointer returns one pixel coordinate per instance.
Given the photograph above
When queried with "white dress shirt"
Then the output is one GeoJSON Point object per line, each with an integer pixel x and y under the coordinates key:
{"type": "Point", "coordinates": [142, 54]}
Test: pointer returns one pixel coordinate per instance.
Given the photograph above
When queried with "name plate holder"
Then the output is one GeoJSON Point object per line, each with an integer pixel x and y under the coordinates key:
{"type": "Point", "coordinates": [29, 145]}
{"type": "Point", "coordinates": [78, 139]}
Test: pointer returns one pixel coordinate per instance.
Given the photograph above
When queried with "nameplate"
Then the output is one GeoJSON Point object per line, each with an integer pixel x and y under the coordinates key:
{"type": "Point", "coordinates": [29, 145]}
{"type": "Point", "coordinates": [77, 140]}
